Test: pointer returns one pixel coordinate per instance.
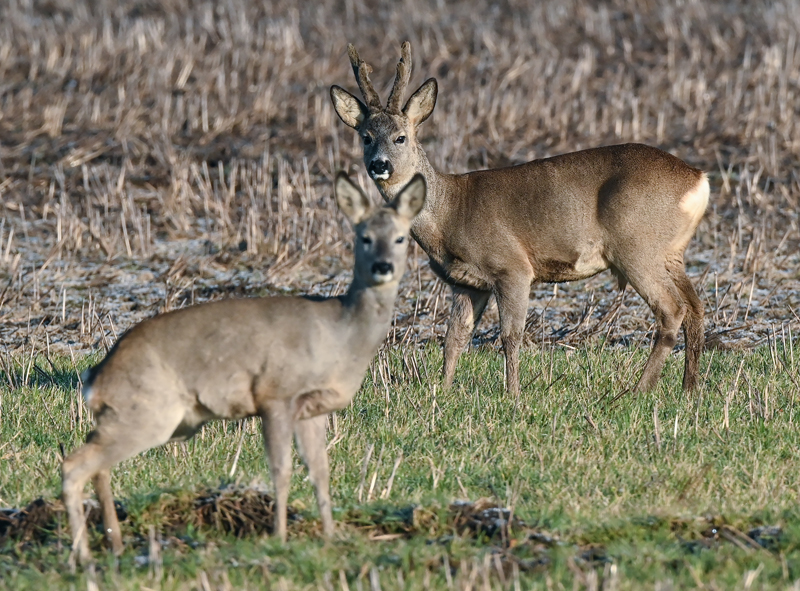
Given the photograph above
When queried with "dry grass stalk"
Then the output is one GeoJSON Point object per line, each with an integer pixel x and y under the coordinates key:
{"type": "Point", "coordinates": [135, 134]}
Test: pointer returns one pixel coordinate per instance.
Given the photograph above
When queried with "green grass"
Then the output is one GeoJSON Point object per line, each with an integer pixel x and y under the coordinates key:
{"type": "Point", "coordinates": [631, 486]}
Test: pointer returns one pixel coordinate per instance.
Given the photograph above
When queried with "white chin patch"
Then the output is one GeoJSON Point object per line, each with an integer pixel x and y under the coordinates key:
{"type": "Point", "coordinates": [381, 177]}
{"type": "Point", "coordinates": [382, 277]}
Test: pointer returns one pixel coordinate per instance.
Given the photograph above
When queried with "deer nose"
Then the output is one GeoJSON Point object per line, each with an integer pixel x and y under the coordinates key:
{"type": "Point", "coordinates": [382, 268]}
{"type": "Point", "coordinates": [380, 169]}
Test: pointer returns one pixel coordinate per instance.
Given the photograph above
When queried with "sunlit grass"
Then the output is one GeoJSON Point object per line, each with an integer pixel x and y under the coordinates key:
{"type": "Point", "coordinates": [630, 485]}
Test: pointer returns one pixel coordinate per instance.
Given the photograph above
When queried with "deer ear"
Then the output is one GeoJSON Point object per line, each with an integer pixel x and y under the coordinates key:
{"type": "Point", "coordinates": [411, 199]}
{"type": "Point", "coordinates": [420, 106]}
{"type": "Point", "coordinates": [350, 110]}
{"type": "Point", "coordinates": [351, 199]}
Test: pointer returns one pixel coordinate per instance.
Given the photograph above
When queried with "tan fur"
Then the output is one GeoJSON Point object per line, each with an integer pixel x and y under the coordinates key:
{"type": "Point", "coordinates": [289, 360]}
{"type": "Point", "coordinates": [629, 208]}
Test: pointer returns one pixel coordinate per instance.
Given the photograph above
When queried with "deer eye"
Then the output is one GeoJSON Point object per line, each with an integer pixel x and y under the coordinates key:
{"type": "Point", "coordinates": [400, 140]}
{"type": "Point", "coordinates": [366, 240]}
{"type": "Point", "coordinates": [400, 240]}
{"type": "Point", "coordinates": [367, 140]}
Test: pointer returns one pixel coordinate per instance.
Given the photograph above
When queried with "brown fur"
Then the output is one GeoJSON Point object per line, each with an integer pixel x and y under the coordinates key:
{"type": "Point", "coordinates": [289, 360]}
{"type": "Point", "coordinates": [629, 208]}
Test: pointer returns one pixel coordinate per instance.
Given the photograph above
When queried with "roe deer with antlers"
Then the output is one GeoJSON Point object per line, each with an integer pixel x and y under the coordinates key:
{"type": "Point", "coordinates": [289, 360]}
{"type": "Point", "coordinates": [628, 208]}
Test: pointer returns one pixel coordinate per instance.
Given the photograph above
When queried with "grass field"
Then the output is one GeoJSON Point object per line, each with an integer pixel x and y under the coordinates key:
{"type": "Point", "coordinates": [155, 154]}
{"type": "Point", "coordinates": [663, 490]}
{"type": "Point", "coordinates": [628, 491]}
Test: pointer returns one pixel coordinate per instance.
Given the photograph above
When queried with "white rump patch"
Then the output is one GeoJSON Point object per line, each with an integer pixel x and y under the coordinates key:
{"type": "Point", "coordinates": [693, 205]}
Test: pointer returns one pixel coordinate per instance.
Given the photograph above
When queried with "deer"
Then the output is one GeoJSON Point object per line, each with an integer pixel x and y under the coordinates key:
{"type": "Point", "coordinates": [289, 360]}
{"type": "Point", "coordinates": [631, 209]}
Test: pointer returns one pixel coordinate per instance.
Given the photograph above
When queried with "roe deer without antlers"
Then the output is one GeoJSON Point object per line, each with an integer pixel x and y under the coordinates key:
{"type": "Point", "coordinates": [628, 208]}
{"type": "Point", "coordinates": [289, 360]}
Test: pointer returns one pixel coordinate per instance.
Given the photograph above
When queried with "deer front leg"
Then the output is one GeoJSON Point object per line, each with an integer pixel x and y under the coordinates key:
{"type": "Point", "coordinates": [311, 443]}
{"type": "Point", "coordinates": [512, 304]}
{"type": "Point", "coordinates": [277, 423]}
{"type": "Point", "coordinates": [468, 307]}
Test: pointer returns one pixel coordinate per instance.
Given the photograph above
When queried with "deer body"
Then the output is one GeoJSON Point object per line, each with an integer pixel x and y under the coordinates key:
{"type": "Point", "coordinates": [258, 343]}
{"type": "Point", "coordinates": [603, 210]}
{"type": "Point", "coordinates": [289, 360]}
{"type": "Point", "coordinates": [629, 208]}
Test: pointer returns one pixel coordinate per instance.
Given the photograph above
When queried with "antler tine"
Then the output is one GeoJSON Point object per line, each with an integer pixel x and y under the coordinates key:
{"type": "Point", "coordinates": [401, 79]}
{"type": "Point", "coordinates": [362, 71]}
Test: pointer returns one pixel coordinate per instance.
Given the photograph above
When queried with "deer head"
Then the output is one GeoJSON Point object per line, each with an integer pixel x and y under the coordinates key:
{"type": "Point", "coordinates": [380, 242]}
{"type": "Point", "coordinates": [388, 134]}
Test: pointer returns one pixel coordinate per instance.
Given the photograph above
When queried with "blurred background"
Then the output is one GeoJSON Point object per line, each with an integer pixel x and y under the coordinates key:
{"type": "Point", "coordinates": [159, 153]}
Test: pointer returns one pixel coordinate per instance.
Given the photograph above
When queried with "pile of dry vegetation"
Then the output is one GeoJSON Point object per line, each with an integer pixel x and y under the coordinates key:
{"type": "Point", "coordinates": [154, 154]}
{"type": "Point", "coordinates": [248, 511]}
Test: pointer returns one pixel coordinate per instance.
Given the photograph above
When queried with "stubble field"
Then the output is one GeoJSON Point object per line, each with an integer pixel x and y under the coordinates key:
{"type": "Point", "coordinates": [158, 154]}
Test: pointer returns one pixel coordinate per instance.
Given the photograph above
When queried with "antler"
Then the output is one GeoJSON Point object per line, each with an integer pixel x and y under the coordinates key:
{"type": "Point", "coordinates": [393, 105]}
{"type": "Point", "coordinates": [362, 71]}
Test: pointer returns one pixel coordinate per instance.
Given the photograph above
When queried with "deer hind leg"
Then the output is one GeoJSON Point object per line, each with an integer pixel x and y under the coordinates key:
{"type": "Point", "coordinates": [512, 304]}
{"type": "Point", "coordinates": [693, 331]}
{"type": "Point", "coordinates": [76, 471]}
{"type": "Point", "coordinates": [110, 443]}
{"type": "Point", "coordinates": [311, 443]}
{"type": "Point", "coordinates": [277, 423]}
{"type": "Point", "coordinates": [467, 310]}
{"type": "Point", "coordinates": [93, 461]}
{"type": "Point", "coordinates": [663, 297]}
{"type": "Point", "coordinates": [102, 486]}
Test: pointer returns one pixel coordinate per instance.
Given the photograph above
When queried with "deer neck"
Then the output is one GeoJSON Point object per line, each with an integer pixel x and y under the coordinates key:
{"type": "Point", "coordinates": [425, 227]}
{"type": "Point", "coordinates": [369, 310]}
{"type": "Point", "coordinates": [419, 165]}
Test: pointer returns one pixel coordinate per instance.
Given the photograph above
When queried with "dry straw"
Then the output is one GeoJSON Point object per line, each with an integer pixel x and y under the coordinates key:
{"type": "Point", "coordinates": [156, 154]}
